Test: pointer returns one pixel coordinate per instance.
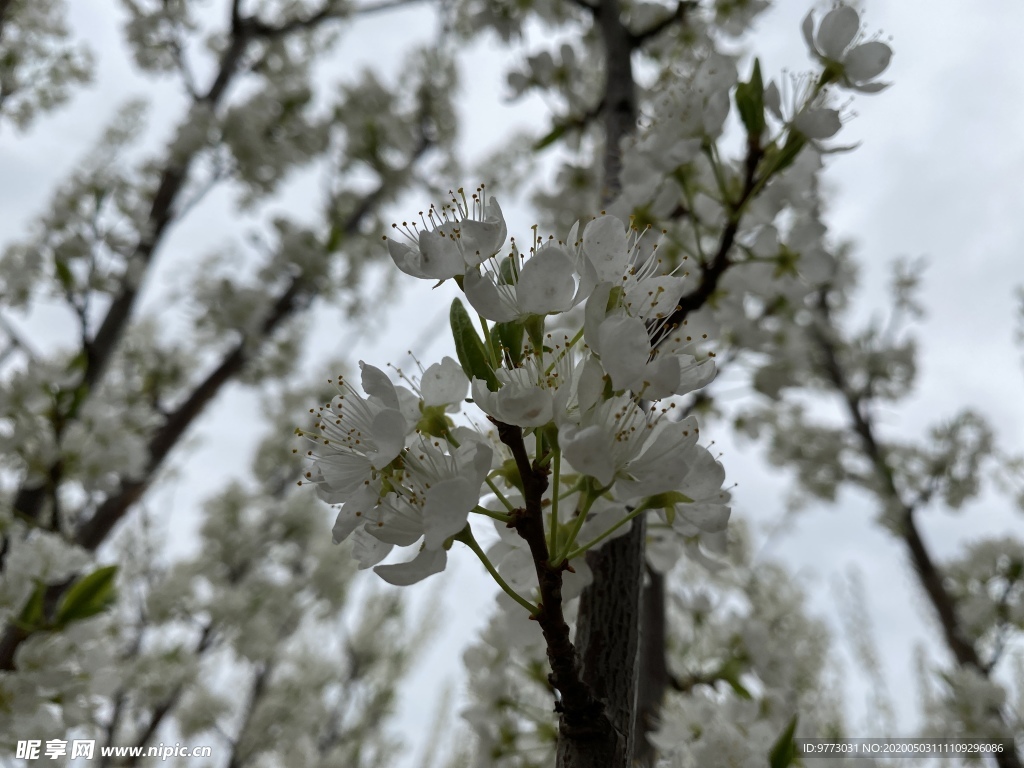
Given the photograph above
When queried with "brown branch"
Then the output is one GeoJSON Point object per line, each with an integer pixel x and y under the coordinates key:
{"type": "Point", "coordinates": [93, 531]}
{"type": "Point", "coordinates": [608, 638]}
{"type": "Point", "coordinates": [711, 272]}
{"type": "Point", "coordinates": [678, 16]}
{"type": "Point", "coordinates": [99, 350]}
{"type": "Point", "coordinates": [164, 708]}
{"type": "Point", "coordinates": [583, 718]}
{"type": "Point", "coordinates": [256, 691]}
{"type": "Point", "coordinates": [928, 573]}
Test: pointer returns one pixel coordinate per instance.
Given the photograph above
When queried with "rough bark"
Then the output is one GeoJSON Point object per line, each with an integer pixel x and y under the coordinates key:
{"type": "Point", "coordinates": [654, 675]}
{"type": "Point", "coordinates": [608, 623]}
{"type": "Point", "coordinates": [608, 639]}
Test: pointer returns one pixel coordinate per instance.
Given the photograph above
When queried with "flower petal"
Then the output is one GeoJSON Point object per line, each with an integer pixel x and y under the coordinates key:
{"type": "Point", "coordinates": [867, 61]}
{"type": "Point", "coordinates": [440, 255]}
{"type": "Point", "coordinates": [606, 245]}
{"type": "Point", "coordinates": [447, 509]}
{"type": "Point", "coordinates": [426, 563]}
{"type": "Point", "coordinates": [654, 297]}
{"type": "Point", "coordinates": [818, 123]}
{"type": "Point", "coordinates": [482, 239]}
{"type": "Point", "coordinates": [587, 452]}
{"type": "Point", "coordinates": [491, 301]}
{"type": "Point", "coordinates": [525, 406]}
{"type": "Point", "coordinates": [444, 383]}
{"type": "Point", "coordinates": [377, 384]}
{"type": "Point", "coordinates": [626, 350]}
{"type": "Point", "coordinates": [705, 477]}
{"type": "Point", "coordinates": [353, 513]}
{"type": "Point", "coordinates": [368, 550]}
{"type": "Point", "coordinates": [546, 283]}
{"type": "Point", "coordinates": [807, 28]}
{"type": "Point", "coordinates": [389, 429]}
{"type": "Point", "coordinates": [343, 474]}
{"type": "Point", "coordinates": [594, 314]}
{"type": "Point", "coordinates": [406, 258]}
{"type": "Point", "coordinates": [837, 31]}
{"type": "Point", "coordinates": [712, 518]}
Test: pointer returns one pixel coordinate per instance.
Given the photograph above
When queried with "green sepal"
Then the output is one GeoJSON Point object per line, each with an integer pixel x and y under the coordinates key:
{"type": "Point", "coordinates": [667, 501]}
{"type": "Point", "coordinates": [507, 273]}
{"type": "Point", "coordinates": [783, 752]}
{"type": "Point", "coordinates": [616, 297]}
{"type": "Point", "coordinates": [750, 103]}
{"type": "Point", "coordinates": [609, 390]}
{"type": "Point", "coordinates": [550, 432]}
{"type": "Point", "coordinates": [780, 159]}
{"type": "Point", "coordinates": [469, 348]}
{"type": "Point", "coordinates": [434, 421]}
{"type": "Point", "coordinates": [511, 337]}
{"type": "Point", "coordinates": [88, 596]}
{"type": "Point", "coordinates": [535, 329]}
{"type": "Point", "coordinates": [510, 473]}
{"type": "Point", "coordinates": [786, 263]}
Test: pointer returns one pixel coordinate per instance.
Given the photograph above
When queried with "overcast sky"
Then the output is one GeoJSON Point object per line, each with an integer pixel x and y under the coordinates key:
{"type": "Point", "coordinates": [938, 175]}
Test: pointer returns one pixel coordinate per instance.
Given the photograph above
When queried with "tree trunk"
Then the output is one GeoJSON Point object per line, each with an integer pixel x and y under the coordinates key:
{"type": "Point", "coordinates": [653, 680]}
{"type": "Point", "coordinates": [607, 640]}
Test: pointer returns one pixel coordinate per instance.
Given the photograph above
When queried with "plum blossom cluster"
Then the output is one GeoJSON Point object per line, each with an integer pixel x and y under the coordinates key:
{"type": "Point", "coordinates": [572, 348]}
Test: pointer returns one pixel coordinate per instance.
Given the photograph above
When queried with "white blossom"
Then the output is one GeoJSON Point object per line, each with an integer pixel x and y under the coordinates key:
{"type": "Point", "coordinates": [835, 45]}
{"type": "Point", "coordinates": [356, 436]}
{"type": "Point", "coordinates": [543, 285]}
{"type": "Point", "coordinates": [456, 237]}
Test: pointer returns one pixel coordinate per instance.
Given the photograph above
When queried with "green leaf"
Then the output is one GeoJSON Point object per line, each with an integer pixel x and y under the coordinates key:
{"type": "Point", "coordinates": [750, 103]}
{"type": "Point", "coordinates": [553, 135]}
{"type": "Point", "coordinates": [89, 596]}
{"type": "Point", "coordinates": [783, 752]}
{"type": "Point", "coordinates": [64, 274]}
{"type": "Point", "coordinates": [730, 672]}
{"type": "Point", "coordinates": [469, 348]}
{"type": "Point", "coordinates": [31, 616]}
{"type": "Point", "coordinates": [334, 239]}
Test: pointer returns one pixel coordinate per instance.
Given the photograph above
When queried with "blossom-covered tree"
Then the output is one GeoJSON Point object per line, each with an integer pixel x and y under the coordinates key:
{"type": "Point", "coordinates": [103, 637]}
{"type": "Point", "coordinates": [563, 443]}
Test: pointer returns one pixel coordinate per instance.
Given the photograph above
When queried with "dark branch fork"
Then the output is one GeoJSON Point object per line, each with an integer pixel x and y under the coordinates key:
{"type": "Point", "coordinates": [94, 530]}
{"type": "Point", "coordinates": [929, 575]}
